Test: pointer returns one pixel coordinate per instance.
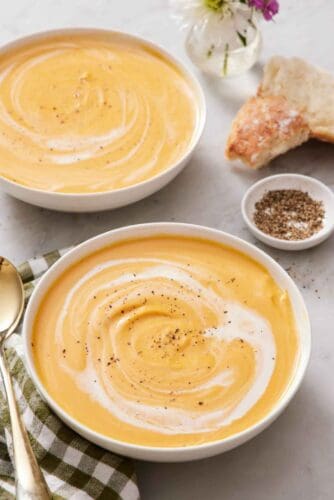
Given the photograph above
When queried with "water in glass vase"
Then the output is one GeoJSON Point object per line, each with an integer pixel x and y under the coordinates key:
{"type": "Point", "coordinates": [225, 44]}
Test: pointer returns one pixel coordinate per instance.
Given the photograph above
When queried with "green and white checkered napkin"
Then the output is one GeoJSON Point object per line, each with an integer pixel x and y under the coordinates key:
{"type": "Point", "coordinates": [73, 467]}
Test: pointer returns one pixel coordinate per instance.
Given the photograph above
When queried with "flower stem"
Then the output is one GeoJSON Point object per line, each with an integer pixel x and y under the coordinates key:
{"type": "Point", "coordinates": [226, 54]}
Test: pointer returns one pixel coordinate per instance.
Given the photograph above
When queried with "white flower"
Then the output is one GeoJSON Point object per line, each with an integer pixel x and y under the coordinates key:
{"type": "Point", "coordinates": [189, 12]}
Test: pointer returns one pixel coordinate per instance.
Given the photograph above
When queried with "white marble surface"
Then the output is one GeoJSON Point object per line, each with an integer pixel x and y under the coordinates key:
{"type": "Point", "coordinates": [295, 457]}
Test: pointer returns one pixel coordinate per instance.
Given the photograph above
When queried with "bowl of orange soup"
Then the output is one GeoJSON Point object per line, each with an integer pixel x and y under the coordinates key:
{"type": "Point", "coordinates": [167, 342]}
{"type": "Point", "coordinates": [93, 119]}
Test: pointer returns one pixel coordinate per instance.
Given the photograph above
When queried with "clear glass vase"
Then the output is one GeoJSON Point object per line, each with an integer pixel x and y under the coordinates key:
{"type": "Point", "coordinates": [226, 44]}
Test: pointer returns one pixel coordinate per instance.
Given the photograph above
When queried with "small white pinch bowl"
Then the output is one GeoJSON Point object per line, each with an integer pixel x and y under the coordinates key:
{"type": "Point", "coordinates": [107, 200]}
{"type": "Point", "coordinates": [315, 188]}
{"type": "Point", "coordinates": [172, 454]}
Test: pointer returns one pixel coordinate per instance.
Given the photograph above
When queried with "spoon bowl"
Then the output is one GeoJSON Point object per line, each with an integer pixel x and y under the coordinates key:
{"type": "Point", "coordinates": [11, 298]}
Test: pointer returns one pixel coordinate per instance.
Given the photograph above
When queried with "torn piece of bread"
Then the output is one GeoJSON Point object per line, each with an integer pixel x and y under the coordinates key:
{"type": "Point", "coordinates": [309, 89]}
{"type": "Point", "coordinates": [264, 128]}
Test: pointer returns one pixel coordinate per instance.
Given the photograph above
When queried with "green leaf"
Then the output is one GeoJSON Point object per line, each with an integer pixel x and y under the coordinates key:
{"type": "Point", "coordinates": [210, 51]}
{"type": "Point", "coordinates": [242, 38]}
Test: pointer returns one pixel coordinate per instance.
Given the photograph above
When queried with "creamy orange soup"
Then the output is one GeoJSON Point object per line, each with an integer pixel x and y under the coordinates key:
{"type": "Point", "coordinates": [91, 112]}
{"type": "Point", "coordinates": [166, 341]}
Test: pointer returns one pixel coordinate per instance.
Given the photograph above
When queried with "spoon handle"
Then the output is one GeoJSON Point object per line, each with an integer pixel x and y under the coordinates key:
{"type": "Point", "coordinates": [30, 482]}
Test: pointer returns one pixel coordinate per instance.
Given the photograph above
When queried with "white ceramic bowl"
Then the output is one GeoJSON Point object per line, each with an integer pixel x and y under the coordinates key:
{"type": "Point", "coordinates": [176, 454]}
{"type": "Point", "coordinates": [93, 202]}
{"type": "Point", "coordinates": [316, 189]}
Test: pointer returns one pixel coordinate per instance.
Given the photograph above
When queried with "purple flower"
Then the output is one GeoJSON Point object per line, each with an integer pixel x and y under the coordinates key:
{"type": "Point", "coordinates": [269, 8]}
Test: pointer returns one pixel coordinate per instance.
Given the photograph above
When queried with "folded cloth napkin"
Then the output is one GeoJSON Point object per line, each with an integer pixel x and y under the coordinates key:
{"type": "Point", "coordinates": [73, 467]}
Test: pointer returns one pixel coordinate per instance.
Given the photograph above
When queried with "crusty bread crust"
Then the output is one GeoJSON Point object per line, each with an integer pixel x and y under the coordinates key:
{"type": "Point", "coordinates": [264, 128]}
{"type": "Point", "coordinates": [306, 87]}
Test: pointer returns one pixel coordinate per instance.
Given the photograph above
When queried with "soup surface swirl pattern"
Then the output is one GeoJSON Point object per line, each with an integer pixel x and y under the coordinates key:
{"type": "Point", "coordinates": [90, 113]}
{"type": "Point", "coordinates": [166, 349]}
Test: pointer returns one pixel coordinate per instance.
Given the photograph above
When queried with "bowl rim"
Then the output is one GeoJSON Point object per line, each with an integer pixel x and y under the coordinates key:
{"type": "Point", "coordinates": [181, 229]}
{"type": "Point", "coordinates": [181, 65]}
{"type": "Point", "coordinates": [316, 238]}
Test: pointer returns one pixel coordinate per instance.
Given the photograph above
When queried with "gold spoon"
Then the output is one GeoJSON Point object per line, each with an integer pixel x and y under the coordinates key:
{"type": "Point", "coordinates": [30, 483]}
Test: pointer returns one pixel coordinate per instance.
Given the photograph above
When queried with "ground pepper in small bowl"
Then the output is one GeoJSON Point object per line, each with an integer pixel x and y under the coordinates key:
{"type": "Point", "coordinates": [289, 211]}
{"type": "Point", "coordinates": [289, 214]}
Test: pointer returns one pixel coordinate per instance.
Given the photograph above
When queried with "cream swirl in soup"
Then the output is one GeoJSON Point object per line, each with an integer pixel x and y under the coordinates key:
{"type": "Point", "coordinates": [164, 347]}
{"type": "Point", "coordinates": [83, 113]}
